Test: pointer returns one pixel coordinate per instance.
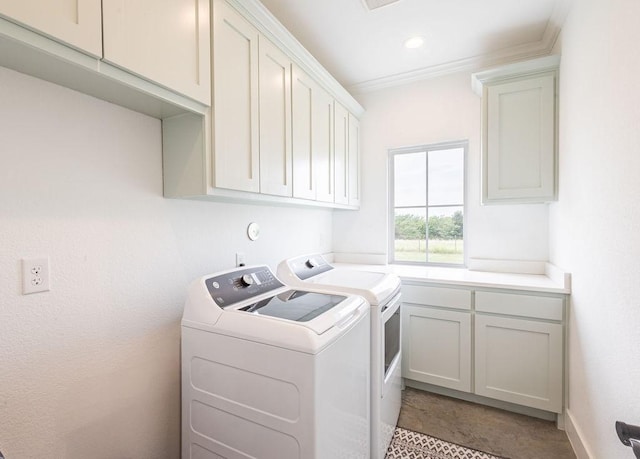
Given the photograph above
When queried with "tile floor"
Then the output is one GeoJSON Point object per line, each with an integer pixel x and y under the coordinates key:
{"type": "Point", "coordinates": [492, 430]}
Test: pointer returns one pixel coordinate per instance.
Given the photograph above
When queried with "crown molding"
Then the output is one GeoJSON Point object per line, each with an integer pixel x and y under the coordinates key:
{"type": "Point", "coordinates": [521, 68]}
{"type": "Point", "coordinates": [462, 65]}
{"type": "Point", "coordinates": [476, 63]}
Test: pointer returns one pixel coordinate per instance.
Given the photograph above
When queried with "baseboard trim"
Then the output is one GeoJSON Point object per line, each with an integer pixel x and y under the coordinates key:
{"type": "Point", "coordinates": [576, 438]}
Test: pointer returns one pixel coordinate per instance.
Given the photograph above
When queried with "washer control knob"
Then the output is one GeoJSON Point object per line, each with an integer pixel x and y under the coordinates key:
{"type": "Point", "coordinates": [311, 263]}
{"type": "Point", "coordinates": [246, 280]}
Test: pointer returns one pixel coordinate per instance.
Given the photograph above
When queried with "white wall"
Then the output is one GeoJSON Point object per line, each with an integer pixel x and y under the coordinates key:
{"type": "Point", "coordinates": [91, 368]}
{"type": "Point", "coordinates": [433, 111]}
{"type": "Point", "coordinates": [595, 226]}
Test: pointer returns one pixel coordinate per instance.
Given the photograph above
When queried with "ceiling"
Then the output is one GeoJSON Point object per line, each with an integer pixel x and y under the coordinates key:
{"type": "Point", "coordinates": [363, 48]}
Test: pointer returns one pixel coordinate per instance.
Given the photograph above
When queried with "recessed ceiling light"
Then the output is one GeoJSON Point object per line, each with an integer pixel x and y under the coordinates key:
{"type": "Point", "coordinates": [414, 42]}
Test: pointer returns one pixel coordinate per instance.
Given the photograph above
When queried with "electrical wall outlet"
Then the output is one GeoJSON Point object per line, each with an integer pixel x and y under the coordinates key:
{"type": "Point", "coordinates": [239, 259]}
{"type": "Point", "coordinates": [35, 275]}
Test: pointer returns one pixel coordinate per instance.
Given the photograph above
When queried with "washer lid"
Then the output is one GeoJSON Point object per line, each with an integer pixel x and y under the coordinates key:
{"type": "Point", "coordinates": [296, 305]}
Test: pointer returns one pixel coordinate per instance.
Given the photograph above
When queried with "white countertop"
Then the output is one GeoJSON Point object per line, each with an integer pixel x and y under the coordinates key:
{"type": "Point", "coordinates": [554, 282]}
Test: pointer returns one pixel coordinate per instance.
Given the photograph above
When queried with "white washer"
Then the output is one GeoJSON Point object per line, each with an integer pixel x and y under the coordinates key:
{"type": "Point", "coordinates": [272, 372]}
{"type": "Point", "coordinates": [382, 291]}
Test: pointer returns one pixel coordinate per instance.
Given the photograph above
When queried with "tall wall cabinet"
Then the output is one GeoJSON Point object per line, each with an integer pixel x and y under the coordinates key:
{"type": "Point", "coordinates": [519, 131]}
{"type": "Point", "coordinates": [276, 132]}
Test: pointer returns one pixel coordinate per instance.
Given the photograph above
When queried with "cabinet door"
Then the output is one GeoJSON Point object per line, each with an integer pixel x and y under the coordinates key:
{"type": "Point", "coordinates": [322, 139]}
{"type": "Point", "coordinates": [354, 161]}
{"type": "Point", "coordinates": [519, 150]}
{"type": "Point", "coordinates": [165, 41]}
{"type": "Point", "coordinates": [235, 83]}
{"type": "Point", "coordinates": [436, 346]}
{"type": "Point", "coordinates": [75, 22]}
{"type": "Point", "coordinates": [519, 361]}
{"type": "Point", "coordinates": [275, 120]}
{"type": "Point", "coordinates": [303, 91]}
{"type": "Point", "coordinates": [341, 148]}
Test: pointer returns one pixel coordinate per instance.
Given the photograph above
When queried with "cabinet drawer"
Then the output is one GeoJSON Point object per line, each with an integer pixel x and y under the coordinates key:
{"type": "Point", "coordinates": [538, 307]}
{"type": "Point", "coordinates": [437, 296]}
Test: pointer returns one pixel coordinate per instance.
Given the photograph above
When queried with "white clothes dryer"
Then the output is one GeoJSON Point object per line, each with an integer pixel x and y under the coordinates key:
{"type": "Point", "coordinates": [382, 291]}
{"type": "Point", "coordinates": [273, 372]}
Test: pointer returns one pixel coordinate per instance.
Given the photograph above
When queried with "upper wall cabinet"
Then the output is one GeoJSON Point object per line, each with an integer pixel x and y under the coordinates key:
{"type": "Point", "coordinates": [312, 121]}
{"type": "Point", "coordinates": [148, 56]}
{"type": "Point", "coordinates": [275, 120]}
{"type": "Point", "coordinates": [322, 145]}
{"type": "Point", "coordinates": [236, 155]}
{"type": "Point", "coordinates": [347, 156]}
{"type": "Point", "coordinates": [252, 108]}
{"type": "Point", "coordinates": [75, 22]}
{"type": "Point", "coordinates": [519, 131]}
{"type": "Point", "coordinates": [341, 152]}
{"type": "Point", "coordinates": [354, 161]}
{"type": "Point", "coordinates": [165, 42]}
{"type": "Point", "coordinates": [280, 130]}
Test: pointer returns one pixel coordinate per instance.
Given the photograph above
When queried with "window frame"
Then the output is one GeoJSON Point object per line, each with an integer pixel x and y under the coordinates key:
{"type": "Point", "coordinates": [392, 153]}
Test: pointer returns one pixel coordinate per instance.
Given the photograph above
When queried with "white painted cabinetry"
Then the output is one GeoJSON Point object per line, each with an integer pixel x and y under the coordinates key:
{"type": "Point", "coordinates": [303, 89]}
{"type": "Point", "coordinates": [272, 135]}
{"type": "Point", "coordinates": [346, 141]}
{"type": "Point", "coordinates": [519, 361]}
{"type": "Point", "coordinates": [251, 108]}
{"type": "Point", "coordinates": [275, 120]}
{"type": "Point", "coordinates": [519, 354]}
{"type": "Point", "coordinates": [437, 341]}
{"type": "Point", "coordinates": [341, 149]}
{"type": "Point", "coordinates": [236, 155]}
{"type": "Point", "coordinates": [312, 131]}
{"type": "Point", "coordinates": [436, 346]}
{"type": "Point", "coordinates": [74, 22]}
{"type": "Point", "coordinates": [517, 340]}
{"type": "Point", "coordinates": [323, 156]}
{"type": "Point", "coordinates": [353, 162]}
{"type": "Point", "coordinates": [519, 131]}
{"type": "Point", "coordinates": [166, 42]}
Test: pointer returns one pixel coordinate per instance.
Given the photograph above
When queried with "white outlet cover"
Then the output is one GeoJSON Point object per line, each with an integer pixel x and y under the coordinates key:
{"type": "Point", "coordinates": [35, 275]}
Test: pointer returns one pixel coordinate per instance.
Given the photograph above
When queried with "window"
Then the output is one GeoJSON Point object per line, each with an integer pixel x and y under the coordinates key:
{"type": "Point", "coordinates": [427, 187]}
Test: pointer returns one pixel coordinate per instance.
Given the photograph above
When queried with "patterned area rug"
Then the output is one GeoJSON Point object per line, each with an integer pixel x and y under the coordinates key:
{"type": "Point", "coordinates": [406, 444]}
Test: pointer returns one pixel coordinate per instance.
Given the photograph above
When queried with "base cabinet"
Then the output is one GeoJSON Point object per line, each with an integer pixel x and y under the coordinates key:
{"type": "Point", "coordinates": [499, 345]}
{"type": "Point", "coordinates": [519, 361]}
{"type": "Point", "coordinates": [437, 347]}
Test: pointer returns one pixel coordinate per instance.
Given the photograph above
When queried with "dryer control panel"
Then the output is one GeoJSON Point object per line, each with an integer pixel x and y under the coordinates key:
{"type": "Point", "coordinates": [239, 285]}
{"type": "Point", "coordinates": [308, 266]}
